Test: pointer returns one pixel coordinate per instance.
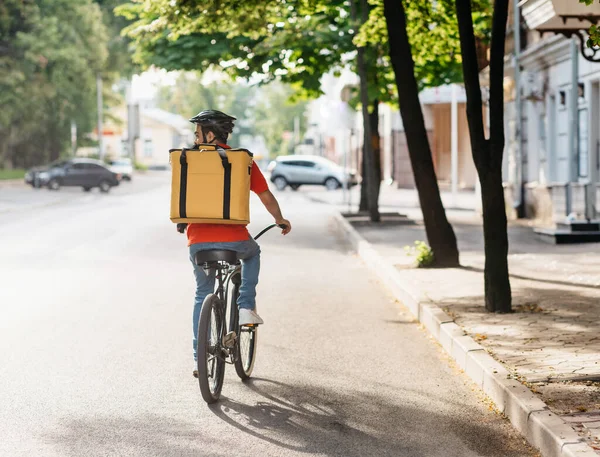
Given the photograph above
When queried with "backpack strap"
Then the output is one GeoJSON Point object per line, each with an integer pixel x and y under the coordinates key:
{"type": "Point", "coordinates": [226, 183]}
{"type": "Point", "coordinates": [183, 184]}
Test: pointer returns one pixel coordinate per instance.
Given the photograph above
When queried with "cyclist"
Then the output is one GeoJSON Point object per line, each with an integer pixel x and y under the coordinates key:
{"type": "Point", "coordinates": [214, 127]}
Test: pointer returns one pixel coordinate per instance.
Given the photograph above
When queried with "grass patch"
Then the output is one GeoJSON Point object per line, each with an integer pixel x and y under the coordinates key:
{"type": "Point", "coordinates": [12, 174]}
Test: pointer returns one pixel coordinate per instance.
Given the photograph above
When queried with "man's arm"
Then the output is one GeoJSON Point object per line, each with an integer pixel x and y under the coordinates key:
{"type": "Point", "coordinates": [270, 202]}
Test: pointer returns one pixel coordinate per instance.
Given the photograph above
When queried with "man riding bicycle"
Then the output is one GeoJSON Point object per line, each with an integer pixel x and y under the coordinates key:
{"type": "Point", "coordinates": [214, 127]}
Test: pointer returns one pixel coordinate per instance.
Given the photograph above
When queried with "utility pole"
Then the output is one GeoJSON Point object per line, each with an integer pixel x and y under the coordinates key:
{"type": "Point", "coordinates": [100, 114]}
{"type": "Point", "coordinates": [573, 162]}
{"type": "Point", "coordinates": [73, 138]}
{"type": "Point", "coordinates": [518, 203]}
{"type": "Point", "coordinates": [296, 132]}
{"type": "Point", "coordinates": [454, 141]}
{"type": "Point", "coordinates": [133, 126]}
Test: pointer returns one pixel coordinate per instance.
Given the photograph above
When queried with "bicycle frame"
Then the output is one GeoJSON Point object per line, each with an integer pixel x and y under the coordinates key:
{"type": "Point", "coordinates": [224, 275]}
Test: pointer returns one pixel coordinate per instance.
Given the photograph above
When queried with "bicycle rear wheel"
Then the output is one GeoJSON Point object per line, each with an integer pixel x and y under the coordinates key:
{"type": "Point", "coordinates": [246, 340]}
{"type": "Point", "coordinates": [211, 364]}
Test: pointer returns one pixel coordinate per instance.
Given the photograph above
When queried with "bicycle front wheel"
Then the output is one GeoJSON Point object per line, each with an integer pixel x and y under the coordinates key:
{"type": "Point", "coordinates": [210, 353]}
{"type": "Point", "coordinates": [246, 340]}
{"type": "Point", "coordinates": [247, 344]}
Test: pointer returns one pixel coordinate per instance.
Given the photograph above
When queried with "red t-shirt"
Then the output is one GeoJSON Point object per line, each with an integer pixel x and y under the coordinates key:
{"type": "Point", "coordinates": [216, 233]}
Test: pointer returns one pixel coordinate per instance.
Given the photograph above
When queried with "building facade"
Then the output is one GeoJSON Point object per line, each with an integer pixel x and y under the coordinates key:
{"type": "Point", "coordinates": [553, 131]}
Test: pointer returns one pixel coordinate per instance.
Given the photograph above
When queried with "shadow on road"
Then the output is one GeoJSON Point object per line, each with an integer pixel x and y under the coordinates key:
{"type": "Point", "coordinates": [316, 420]}
{"type": "Point", "coordinates": [284, 419]}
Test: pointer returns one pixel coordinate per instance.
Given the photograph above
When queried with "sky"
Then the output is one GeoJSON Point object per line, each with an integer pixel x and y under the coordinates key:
{"type": "Point", "coordinates": [144, 86]}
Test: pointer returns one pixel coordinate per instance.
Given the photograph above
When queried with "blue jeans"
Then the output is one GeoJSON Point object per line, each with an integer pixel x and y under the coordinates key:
{"type": "Point", "coordinates": [249, 253]}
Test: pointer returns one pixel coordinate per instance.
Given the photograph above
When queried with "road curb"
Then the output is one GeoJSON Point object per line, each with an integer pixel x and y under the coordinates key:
{"type": "Point", "coordinates": [527, 413]}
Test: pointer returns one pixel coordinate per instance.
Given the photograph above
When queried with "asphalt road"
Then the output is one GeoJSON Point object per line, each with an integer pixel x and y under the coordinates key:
{"type": "Point", "coordinates": [95, 343]}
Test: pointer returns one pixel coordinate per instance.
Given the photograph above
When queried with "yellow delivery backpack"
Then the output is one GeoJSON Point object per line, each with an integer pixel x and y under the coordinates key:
{"type": "Point", "coordinates": [210, 185]}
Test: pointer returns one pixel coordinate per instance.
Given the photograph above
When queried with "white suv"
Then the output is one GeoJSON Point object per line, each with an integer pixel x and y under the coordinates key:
{"type": "Point", "coordinates": [299, 170]}
{"type": "Point", "coordinates": [123, 167]}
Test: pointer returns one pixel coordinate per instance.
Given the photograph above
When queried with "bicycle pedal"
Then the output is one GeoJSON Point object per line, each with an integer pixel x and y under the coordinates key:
{"type": "Point", "coordinates": [229, 340]}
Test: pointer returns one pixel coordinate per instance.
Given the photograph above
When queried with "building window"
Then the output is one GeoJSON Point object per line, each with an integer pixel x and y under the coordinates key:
{"type": "Point", "coordinates": [148, 148]}
{"type": "Point", "coordinates": [582, 144]}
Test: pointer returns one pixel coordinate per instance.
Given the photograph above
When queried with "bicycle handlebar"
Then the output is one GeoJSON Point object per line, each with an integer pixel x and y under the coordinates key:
{"type": "Point", "coordinates": [281, 226]}
{"type": "Point", "coordinates": [182, 226]}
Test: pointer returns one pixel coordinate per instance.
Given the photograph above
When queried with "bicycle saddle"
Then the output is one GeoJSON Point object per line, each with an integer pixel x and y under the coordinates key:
{"type": "Point", "coordinates": [216, 255]}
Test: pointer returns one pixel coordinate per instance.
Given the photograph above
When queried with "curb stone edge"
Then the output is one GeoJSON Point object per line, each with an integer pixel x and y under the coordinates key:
{"type": "Point", "coordinates": [526, 412]}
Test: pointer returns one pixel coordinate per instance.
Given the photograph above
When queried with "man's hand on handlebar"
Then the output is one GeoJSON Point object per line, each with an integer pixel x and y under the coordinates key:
{"type": "Point", "coordinates": [285, 226]}
{"type": "Point", "coordinates": [181, 227]}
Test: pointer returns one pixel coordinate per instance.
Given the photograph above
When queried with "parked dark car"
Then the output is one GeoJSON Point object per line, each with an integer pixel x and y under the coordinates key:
{"type": "Point", "coordinates": [85, 173]}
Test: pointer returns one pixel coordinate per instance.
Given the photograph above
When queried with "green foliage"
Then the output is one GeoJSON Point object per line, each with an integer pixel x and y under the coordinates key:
{"type": "Point", "coordinates": [281, 43]}
{"type": "Point", "coordinates": [593, 32]}
{"type": "Point", "coordinates": [432, 28]}
{"type": "Point", "coordinates": [50, 54]}
{"type": "Point", "coordinates": [119, 62]}
{"type": "Point", "coordinates": [594, 38]}
{"type": "Point", "coordinates": [12, 174]}
{"type": "Point", "coordinates": [422, 252]}
{"type": "Point", "coordinates": [297, 41]}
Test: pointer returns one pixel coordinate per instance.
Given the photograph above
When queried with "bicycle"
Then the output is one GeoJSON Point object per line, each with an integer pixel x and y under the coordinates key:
{"type": "Point", "coordinates": [215, 346]}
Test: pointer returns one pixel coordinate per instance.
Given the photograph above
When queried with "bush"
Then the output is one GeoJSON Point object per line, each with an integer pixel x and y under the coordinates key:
{"type": "Point", "coordinates": [422, 252]}
{"type": "Point", "coordinates": [140, 166]}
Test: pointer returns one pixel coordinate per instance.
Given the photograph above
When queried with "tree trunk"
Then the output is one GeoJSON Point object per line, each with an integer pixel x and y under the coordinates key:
{"type": "Point", "coordinates": [368, 158]}
{"type": "Point", "coordinates": [497, 282]}
{"type": "Point", "coordinates": [376, 141]}
{"type": "Point", "coordinates": [3, 148]}
{"type": "Point", "coordinates": [363, 206]}
{"type": "Point", "coordinates": [487, 153]}
{"type": "Point", "coordinates": [376, 144]}
{"type": "Point", "coordinates": [440, 234]}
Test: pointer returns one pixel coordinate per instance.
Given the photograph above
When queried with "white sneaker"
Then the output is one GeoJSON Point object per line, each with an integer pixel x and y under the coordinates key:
{"type": "Point", "coordinates": [249, 317]}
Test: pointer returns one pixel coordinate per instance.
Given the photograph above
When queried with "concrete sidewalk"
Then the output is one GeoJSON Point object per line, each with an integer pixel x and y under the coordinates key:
{"type": "Point", "coordinates": [393, 199]}
{"type": "Point", "coordinates": [551, 343]}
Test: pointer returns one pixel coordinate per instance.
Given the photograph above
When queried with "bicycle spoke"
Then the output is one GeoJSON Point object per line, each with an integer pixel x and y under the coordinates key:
{"type": "Point", "coordinates": [212, 366]}
{"type": "Point", "coordinates": [211, 361]}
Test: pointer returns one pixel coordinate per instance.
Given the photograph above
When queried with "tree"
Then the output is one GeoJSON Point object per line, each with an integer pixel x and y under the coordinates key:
{"type": "Point", "coordinates": [298, 43]}
{"type": "Point", "coordinates": [47, 75]}
{"type": "Point", "coordinates": [373, 184]}
{"type": "Point", "coordinates": [440, 234]}
{"type": "Point", "coordinates": [119, 63]}
{"type": "Point", "coordinates": [487, 152]}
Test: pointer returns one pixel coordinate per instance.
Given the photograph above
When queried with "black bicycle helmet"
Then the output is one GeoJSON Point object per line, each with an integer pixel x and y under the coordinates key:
{"type": "Point", "coordinates": [215, 121]}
